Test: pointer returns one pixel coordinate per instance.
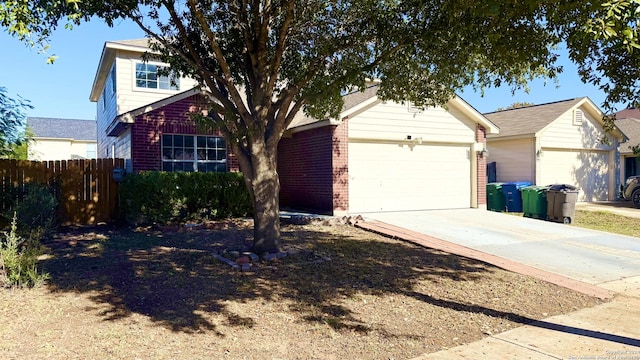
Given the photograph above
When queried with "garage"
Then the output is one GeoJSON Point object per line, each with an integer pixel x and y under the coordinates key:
{"type": "Point", "coordinates": [408, 176]}
{"type": "Point", "coordinates": [588, 170]}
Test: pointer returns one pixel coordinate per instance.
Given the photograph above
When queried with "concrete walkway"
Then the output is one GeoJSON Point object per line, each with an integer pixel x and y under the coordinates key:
{"type": "Point", "coordinates": [607, 331]}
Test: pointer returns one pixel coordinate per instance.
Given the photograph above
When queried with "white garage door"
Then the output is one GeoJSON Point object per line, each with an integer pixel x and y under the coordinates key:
{"type": "Point", "coordinates": [391, 177]}
{"type": "Point", "coordinates": [588, 170]}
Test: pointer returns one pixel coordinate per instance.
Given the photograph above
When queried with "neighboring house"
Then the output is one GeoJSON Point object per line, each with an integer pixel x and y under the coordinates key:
{"type": "Point", "coordinates": [628, 121]}
{"type": "Point", "coordinates": [142, 116]}
{"type": "Point", "coordinates": [557, 143]}
{"type": "Point", "coordinates": [385, 156]}
{"type": "Point", "coordinates": [61, 139]}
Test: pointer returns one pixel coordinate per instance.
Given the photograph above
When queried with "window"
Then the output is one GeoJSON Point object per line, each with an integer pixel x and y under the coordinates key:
{"type": "Point", "coordinates": [194, 153]}
{"type": "Point", "coordinates": [147, 77]}
{"type": "Point", "coordinates": [92, 151]}
{"type": "Point", "coordinates": [113, 79]}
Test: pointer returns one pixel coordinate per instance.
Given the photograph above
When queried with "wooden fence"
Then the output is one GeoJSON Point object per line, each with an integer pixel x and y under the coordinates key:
{"type": "Point", "coordinates": [86, 191]}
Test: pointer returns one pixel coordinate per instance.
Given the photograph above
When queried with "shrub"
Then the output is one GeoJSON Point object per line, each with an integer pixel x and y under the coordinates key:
{"type": "Point", "coordinates": [35, 210]}
{"type": "Point", "coordinates": [162, 197]}
{"type": "Point", "coordinates": [18, 260]}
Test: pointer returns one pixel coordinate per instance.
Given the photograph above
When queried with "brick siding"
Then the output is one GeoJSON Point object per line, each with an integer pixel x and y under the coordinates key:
{"type": "Point", "coordinates": [306, 170]}
{"type": "Point", "coordinates": [147, 130]}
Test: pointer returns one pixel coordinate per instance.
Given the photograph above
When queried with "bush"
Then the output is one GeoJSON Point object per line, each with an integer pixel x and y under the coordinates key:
{"type": "Point", "coordinates": [18, 260]}
{"type": "Point", "coordinates": [34, 207]}
{"type": "Point", "coordinates": [167, 197]}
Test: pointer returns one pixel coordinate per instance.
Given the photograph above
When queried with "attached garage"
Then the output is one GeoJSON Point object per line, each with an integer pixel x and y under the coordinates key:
{"type": "Point", "coordinates": [392, 177]}
{"type": "Point", "coordinates": [557, 143]}
{"type": "Point", "coordinates": [385, 156]}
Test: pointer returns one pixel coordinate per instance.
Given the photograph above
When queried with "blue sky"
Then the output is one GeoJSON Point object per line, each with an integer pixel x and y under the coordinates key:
{"type": "Point", "coordinates": [62, 90]}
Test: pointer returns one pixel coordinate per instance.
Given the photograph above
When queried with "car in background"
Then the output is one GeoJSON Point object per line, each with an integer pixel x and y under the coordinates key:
{"type": "Point", "coordinates": [631, 190]}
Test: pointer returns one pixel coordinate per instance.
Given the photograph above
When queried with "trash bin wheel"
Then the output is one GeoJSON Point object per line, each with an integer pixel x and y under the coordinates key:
{"type": "Point", "coordinates": [567, 220]}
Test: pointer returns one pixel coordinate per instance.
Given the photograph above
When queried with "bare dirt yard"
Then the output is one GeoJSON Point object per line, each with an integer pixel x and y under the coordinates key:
{"type": "Point", "coordinates": [159, 293]}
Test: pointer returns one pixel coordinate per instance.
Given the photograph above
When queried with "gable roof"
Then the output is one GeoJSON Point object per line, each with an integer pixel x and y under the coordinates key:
{"type": "Point", "coordinates": [357, 100]}
{"type": "Point", "coordinates": [54, 128]}
{"type": "Point", "coordinates": [108, 56]}
{"type": "Point", "coordinates": [530, 120]}
{"type": "Point", "coordinates": [122, 121]}
{"type": "Point", "coordinates": [628, 121]}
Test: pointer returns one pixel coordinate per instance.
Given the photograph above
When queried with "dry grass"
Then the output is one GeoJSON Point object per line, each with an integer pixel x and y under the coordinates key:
{"type": "Point", "coordinates": [158, 293]}
{"type": "Point", "coordinates": [607, 221]}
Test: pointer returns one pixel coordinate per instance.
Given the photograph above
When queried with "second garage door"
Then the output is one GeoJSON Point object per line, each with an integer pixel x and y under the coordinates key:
{"type": "Point", "coordinates": [394, 177]}
{"type": "Point", "coordinates": [588, 170]}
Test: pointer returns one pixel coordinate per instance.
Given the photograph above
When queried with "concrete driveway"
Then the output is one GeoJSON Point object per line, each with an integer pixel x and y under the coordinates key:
{"type": "Point", "coordinates": [591, 256]}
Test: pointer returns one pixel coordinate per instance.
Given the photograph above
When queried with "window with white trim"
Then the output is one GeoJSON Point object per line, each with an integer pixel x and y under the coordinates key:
{"type": "Point", "coordinates": [194, 153]}
{"type": "Point", "coordinates": [147, 76]}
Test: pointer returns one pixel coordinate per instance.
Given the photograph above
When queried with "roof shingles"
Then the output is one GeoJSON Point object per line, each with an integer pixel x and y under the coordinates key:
{"type": "Point", "coordinates": [63, 128]}
{"type": "Point", "coordinates": [529, 120]}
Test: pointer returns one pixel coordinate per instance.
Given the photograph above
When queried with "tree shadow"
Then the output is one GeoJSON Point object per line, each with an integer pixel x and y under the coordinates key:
{"type": "Point", "coordinates": [170, 276]}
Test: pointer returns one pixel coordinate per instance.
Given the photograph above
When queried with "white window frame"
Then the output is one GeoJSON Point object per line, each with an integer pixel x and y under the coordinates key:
{"type": "Point", "coordinates": [171, 89]}
{"type": "Point", "coordinates": [194, 155]}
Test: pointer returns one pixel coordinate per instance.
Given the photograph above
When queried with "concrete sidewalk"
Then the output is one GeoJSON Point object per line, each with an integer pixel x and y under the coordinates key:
{"type": "Point", "coordinates": [607, 331]}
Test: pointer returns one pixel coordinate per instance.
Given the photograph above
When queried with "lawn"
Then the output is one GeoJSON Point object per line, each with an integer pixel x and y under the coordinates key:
{"type": "Point", "coordinates": [607, 221]}
{"type": "Point", "coordinates": [343, 293]}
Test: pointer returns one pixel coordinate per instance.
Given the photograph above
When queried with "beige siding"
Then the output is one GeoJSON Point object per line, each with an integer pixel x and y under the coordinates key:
{"type": "Point", "coordinates": [514, 159]}
{"type": "Point", "coordinates": [563, 133]}
{"type": "Point", "coordinates": [394, 122]}
{"type": "Point", "coordinates": [129, 97]}
{"type": "Point", "coordinates": [123, 149]}
{"type": "Point", "coordinates": [58, 149]}
{"type": "Point", "coordinates": [587, 170]}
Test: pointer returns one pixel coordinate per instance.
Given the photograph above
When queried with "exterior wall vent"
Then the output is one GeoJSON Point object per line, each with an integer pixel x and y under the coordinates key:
{"type": "Point", "coordinates": [577, 117]}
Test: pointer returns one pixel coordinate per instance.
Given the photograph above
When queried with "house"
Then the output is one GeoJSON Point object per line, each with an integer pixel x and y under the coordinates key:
{"type": "Point", "coordinates": [376, 156]}
{"type": "Point", "coordinates": [628, 121]}
{"type": "Point", "coordinates": [142, 115]}
{"type": "Point", "coordinates": [61, 139]}
{"type": "Point", "coordinates": [557, 143]}
{"type": "Point", "coordinates": [385, 156]}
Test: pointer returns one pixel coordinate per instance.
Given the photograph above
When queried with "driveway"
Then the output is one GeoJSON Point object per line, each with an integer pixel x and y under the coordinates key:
{"type": "Point", "coordinates": [591, 256]}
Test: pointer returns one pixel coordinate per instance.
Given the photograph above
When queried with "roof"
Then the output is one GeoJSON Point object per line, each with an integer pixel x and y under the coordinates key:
{"type": "Point", "coordinates": [108, 57]}
{"type": "Point", "coordinates": [628, 113]}
{"type": "Point", "coordinates": [351, 100]}
{"type": "Point", "coordinates": [356, 100]}
{"type": "Point", "coordinates": [628, 120]}
{"type": "Point", "coordinates": [55, 128]}
{"type": "Point", "coordinates": [530, 120]}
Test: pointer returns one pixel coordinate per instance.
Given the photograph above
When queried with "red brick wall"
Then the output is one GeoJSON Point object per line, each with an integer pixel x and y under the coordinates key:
{"type": "Point", "coordinates": [482, 167]}
{"type": "Point", "coordinates": [146, 133]}
{"type": "Point", "coordinates": [306, 171]}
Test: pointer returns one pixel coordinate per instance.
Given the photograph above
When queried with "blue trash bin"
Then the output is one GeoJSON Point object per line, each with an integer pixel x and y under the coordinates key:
{"type": "Point", "coordinates": [513, 196]}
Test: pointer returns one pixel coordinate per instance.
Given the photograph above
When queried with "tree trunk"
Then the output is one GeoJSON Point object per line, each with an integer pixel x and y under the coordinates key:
{"type": "Point", "coordinates": [265, 191]}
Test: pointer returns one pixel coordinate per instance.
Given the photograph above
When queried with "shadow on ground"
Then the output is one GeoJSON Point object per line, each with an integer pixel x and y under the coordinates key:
{"type": "Point", "coordinates": [170, 275]}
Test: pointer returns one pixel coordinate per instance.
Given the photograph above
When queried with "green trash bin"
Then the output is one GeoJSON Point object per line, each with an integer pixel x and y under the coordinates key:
{"type": "Point", "coordinates": [496, 200]}
{"type": "Point", "coordinates": [534, 201]}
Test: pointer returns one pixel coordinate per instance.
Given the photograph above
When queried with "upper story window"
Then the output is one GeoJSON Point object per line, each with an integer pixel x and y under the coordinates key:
{"type": "Point", "coordinates": [112, 74]}
{"type": "Point", "coordinates": [147, 77]}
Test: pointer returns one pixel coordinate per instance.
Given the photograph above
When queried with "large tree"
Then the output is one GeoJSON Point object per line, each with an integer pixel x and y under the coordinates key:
{"type": "Point", "coordinates": [264, 61]}
{"type": "Point", "coordinates": [13, 136]}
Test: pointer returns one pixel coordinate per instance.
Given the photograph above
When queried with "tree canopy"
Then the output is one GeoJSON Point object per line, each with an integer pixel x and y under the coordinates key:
{"type": "Point", "coordinates": [12, 124]}
{"type": "Point", "coordinates": [264, 61]}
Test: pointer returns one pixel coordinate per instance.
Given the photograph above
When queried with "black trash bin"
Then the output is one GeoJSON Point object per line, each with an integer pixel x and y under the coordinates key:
{"type": "Point", "coordinates": [561, 203]}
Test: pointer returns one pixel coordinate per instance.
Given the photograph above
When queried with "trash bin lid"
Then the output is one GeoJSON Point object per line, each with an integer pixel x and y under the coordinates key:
{"type": "Point", "coordinates": [562, 187]}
